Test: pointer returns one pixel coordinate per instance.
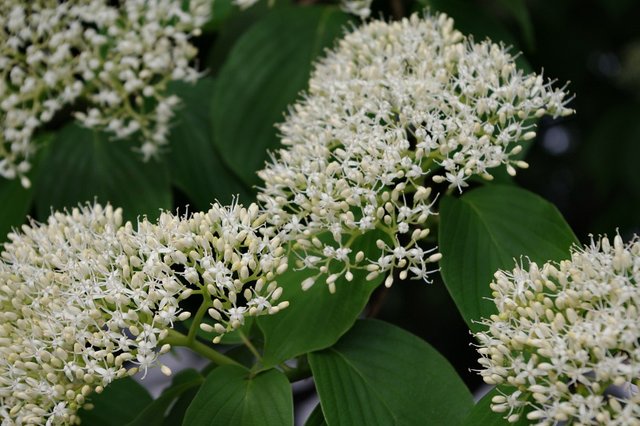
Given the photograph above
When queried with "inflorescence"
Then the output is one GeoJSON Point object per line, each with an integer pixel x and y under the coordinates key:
{"type": "Point", "coordinates": [565, 344]}
{"type": "Point", "coordinates": [108, 64]}
{"type": "Point", "coordinates": [85, 300]}
{"type": "Point", "coordinates": [391, 109]}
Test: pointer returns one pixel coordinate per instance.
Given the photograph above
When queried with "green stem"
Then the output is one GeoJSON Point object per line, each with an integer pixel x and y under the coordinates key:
{"type": "Point", "coordinates": [197, 320]}
{"type": "Point", "coordinates": [176, 338]}
{"type": "Point", "coordinates": [249, 345]}
{"type": "Point", "coordinates": [302, 371]}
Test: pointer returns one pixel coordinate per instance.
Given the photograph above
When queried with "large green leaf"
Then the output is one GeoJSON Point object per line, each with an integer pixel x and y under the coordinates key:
{"type": "Point", "coordinates": [485, 230]}
{"type": "Point", "coordinates": [15, 200]}
{"type": "Point", "coordinates": [379, 374]}
{"type": "Point", "coordinates": [14, 205]}
{"type": "Point", "coordinates": [264, 73]}
{"type": "Point", "coordinates": [154, 413]}
{"type": "Point", "coordinates": [117, 405]}
{"type": "Point", "coordinates": [518, 8]}
{"type": "Point", "coordinates": [231, 395]}
{"type": "Point", "coordinates": [82, 165]}
{"type": "Point", "coordinates": [315, 319]}
{"type": "Point", "coordinates": [196, 166]}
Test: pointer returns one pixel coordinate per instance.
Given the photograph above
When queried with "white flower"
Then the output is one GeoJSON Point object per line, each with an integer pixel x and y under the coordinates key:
{"type": "Point", "coordinates": [393, 107]}
{"type": "Point", "coordinates": [119, 59]}
{"type": "Point", "coordinates": [85, 300]}
{"type": "Point", "coordinates": [566, 340]}
{"type": "Point", "coordinates": [360, 8]}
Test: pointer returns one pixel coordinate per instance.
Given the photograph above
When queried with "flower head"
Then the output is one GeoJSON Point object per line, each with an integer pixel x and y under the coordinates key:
{"type": "Point", "coordinates": [566, 340]}
{"type": "Point", "coordinates": [393, 107]}
{"type": "Point", "coordinates": [231, 256]}
{"type": "Point", "coordinates": [116, 58]}
{"type": "Point", "coordinates": [85, 300]}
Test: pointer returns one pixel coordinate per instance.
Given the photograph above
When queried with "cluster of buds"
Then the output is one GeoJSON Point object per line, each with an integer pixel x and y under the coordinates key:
{"type": "Point", "coordinates": [391, 109]}
{"type": "Point", "coordinates": [565, 344]}
{"type": "Point", "coordinates": [109, 63]}
{"type": "Point", "coordinates": [86, 300]}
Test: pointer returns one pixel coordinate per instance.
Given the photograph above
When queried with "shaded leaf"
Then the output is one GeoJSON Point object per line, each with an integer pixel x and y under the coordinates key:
{"type": "Point", "coordinates": [82, 165]}
{"type": "Point", "coordinates": [154, 413]}
{"type": "Point", "coordinates": [263, 74]}
{"type": "Point", "coordinates": [379, 374]}
{"type": "Point", "coordinates": [485, 230]}
{"type": "Point", "coordinates": [118, 404]}
{"type": "Point", "coordinates": [315, 319]}
{"type": "Point", "coordinates": [196, 166]}
{"type": "Point", "coordinates": [231, 396]}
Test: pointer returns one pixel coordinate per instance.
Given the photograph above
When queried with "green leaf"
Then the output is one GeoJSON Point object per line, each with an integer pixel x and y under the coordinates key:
{"type": "Point", "coordinates": [485, 230]}
{"type": "Point", "coordinates": [221, 11]}
{"type": "Point", "coordinates": [154, 413]}
{"type": "Point", "coordinates": [315, 319]}
{"type": "Point", "coordinates": [117, 405]}
{"type": "Point", "coordinates": [379, 374]}
{"type": "Point", "coordinates": [15, 201]}
{"type": "Point", "coordinates": [481, 414]}
{"type": "Point", "coordinates": [518, 9]}
{"type": "Point", "coordinates": [231, 395]}
{"type": "Point", "coordinates": [265, 71]}
{"type": "Point", "coordinates": [316, 418]}
{"type": "Point", "coordinates": [196, 165]}
{"type": "Point", "coordinates": [82, 164]}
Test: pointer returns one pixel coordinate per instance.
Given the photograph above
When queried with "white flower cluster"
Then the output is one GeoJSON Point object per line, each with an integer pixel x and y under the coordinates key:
{"type": "Point", "coordinates": [566, 340]}
{"type": "Point", "coordinates": [231, 257]}
{"type": "Point", "coordinates": [360, 8]}
{"type": "Point", "coordinates": [85, 300]}
{"type": "Point", "coordinates": [108, 62]}
{"type": "Point", "coordinates": [391, 108]}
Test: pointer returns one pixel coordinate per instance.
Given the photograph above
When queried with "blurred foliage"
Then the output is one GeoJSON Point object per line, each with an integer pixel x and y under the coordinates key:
{"type": "Point", "coordinates": [257, 61]}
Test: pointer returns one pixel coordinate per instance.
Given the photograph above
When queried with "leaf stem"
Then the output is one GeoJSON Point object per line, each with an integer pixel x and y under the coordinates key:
{"type": "Point", "coordinates": [197, 320]}
{"type": "Point", "coordinates": [175, 338]}
{"type": "Point", "coordinates": [249, 345]}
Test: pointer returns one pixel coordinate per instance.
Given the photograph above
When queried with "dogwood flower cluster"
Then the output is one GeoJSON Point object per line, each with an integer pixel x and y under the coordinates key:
{"type": "Point", "coordinates": [229, 255]}
{"type": "Point", "coordinates": [360, 8]}
{"type": "Point", "coordinates": [86, 300]}
{"type": "Point", "coordinates": [394, 107]}
{"type": "Point", "coordinates": [565, 344]}
{"type": "Point", "coordinates": [108, 62]}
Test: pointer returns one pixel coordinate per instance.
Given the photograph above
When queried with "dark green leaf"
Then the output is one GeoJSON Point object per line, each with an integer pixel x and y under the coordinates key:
{"type": "Point", "coordinates": [485, 230]}
{"type": "Point", "coordinates": [117, 405]}
{"type": "Point", "coordinates": [315, 319]}
{"type": "Point", "coordinates": [15, 202]}
{"type": "Point", "coordinates": [196, 166]}
{"type": "Point", "coordinates": [82, 165]}
{"type": "Point", "coordinates": [518, 9]}
{"type": "Point", "coordinates": [231, 396]}
{"type": "Point", "coordinates": [265, 71]}
{"type": "Point", "coordinates": [316, 418]}
{"type": "Point", "coordinates": [154, 413]}
{"type": "Point", "coordinates": [379, 374]}
{"type": "Point", "coordinates": [221, 11]}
